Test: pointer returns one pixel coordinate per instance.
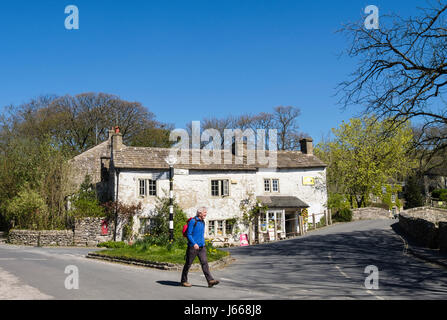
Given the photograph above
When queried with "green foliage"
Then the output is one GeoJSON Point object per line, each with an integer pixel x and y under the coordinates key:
{"type": "Point", "coordinates": [85, 202]}
{"type": "Point", "coordinates": [147, 252]}
{"type": "Point", "coordinates": [344, 215]}
{"type": "Point", "coordinates": [251, 208]}
{"type": "Point", "coordinates": [112, 244]}
{"type": "Point", "coordinates": [27, 210]}
{"type": "Point", "coordinates": [440, 194]}
{"type": "Point", "coordinates": [161, 219]}
{"type": "Point", "coordinates": [414, 192]}
{"type": "Point", "coordinates": [387, 198]}
{"type": "Point", "coordinates": [363, 157]}
{"type": "Point", "coordinates": [337, 201]}
{"type": "Point", "coordinates": [37, 165]}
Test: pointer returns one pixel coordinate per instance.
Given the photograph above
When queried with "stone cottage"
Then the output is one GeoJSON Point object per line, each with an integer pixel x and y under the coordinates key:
{"type": "Point", "coordinates": [135, 174]}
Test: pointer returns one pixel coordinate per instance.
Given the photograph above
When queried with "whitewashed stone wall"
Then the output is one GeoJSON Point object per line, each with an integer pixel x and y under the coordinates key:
{"type": "Point", "coordinates": [193, 190]}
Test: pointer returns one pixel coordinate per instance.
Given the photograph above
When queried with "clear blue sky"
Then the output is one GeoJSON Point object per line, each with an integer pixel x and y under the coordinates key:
{"type": "Point", "coordinates": [189, 59]}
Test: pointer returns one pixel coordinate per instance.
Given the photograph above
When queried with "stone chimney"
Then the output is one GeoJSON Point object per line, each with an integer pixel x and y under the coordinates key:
{"type": "Point", "coordinates": [117, 138]}
{"type": "Point", "coordinates": [240, 148]}
{"type": "Point", "coordinates": [306, 146]}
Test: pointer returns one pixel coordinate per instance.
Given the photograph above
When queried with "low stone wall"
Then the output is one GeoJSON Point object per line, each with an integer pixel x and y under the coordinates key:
{"type": "Point", "coordinates": [91, 231]}
{"type": "Point", "coordinates": [87, 232]}
{"type": "Point", "coordinates": [25, 237]}
{"type": "Point", "coordinates": [370, 213]}
{"type": "Point", "coordinates": [443, 236]}
{"type": "Point", "coordinates": [423, 225]}
{"type": "Point", "coordinates": [41, 238]}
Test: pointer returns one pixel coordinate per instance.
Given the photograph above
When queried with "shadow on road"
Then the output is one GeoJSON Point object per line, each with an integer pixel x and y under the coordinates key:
{"type": "Point", "coordinates": [169, 283]}
{"type": "Point", "coordinates": [335, 264]}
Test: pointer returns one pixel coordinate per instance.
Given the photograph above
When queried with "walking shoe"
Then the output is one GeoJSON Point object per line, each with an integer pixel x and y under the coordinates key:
{"type": "Point", "coordinates": [186, 284]}
{"type": "Point", "coordinates": [212, 283]}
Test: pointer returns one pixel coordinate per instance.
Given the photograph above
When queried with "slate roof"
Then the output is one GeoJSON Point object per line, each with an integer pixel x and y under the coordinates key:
{"type": "Point", "coordinates": [154, 158]}
{"type": "Point", "coordinates": [282, 202]}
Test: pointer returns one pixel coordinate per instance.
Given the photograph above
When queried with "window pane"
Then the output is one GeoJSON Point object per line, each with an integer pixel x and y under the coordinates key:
{"type": "Point", "coordinates": [214, 187]}
{"type": "Point", "coordinates": [229, 227]}
{"type": "Point", "coordinates": [152, 185]}
{"type": "Point", "coordinates": [279, 221]}
{"type": "Point", "coordinates": [225, 188]}
{"type": "Point", "coordinates": [142, 187]}
{"type": "Point", "coordinates": [211, 229]}
{"type": "Point", "coordinates": [220, 228]}
{"type": "Point", "coordinates": [266, 185]}
{"type": "Point", "coordinates": [275, 185]}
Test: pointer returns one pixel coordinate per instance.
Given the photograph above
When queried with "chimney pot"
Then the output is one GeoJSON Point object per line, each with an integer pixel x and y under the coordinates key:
{"type": "Point", "coordinates": [306, 146]}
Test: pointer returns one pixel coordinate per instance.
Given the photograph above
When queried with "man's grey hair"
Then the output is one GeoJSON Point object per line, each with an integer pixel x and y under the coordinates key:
{"type": "Point", "coordinates": [201, 210]}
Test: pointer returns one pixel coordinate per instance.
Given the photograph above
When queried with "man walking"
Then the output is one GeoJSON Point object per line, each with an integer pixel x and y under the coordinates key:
{"type": "Point", "coordinates": [196, 247]}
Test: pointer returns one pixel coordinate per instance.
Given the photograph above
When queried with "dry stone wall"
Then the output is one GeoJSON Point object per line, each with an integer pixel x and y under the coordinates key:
{"type": "Point", "coordinates": [41, 238]}
{"type": "Point", "coordinates": [87, 232]}
{"type": "Point", "coordinates": [426, 226]}
{"type": "Point", "coordinates": [443, 236]}
{"type": "Point", "coordinates": [370, 213]}
{"type": "Point", "coordinates": [90, 232]}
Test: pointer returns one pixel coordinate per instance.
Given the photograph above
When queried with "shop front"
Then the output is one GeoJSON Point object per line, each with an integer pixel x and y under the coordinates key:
{"type": "Point", "coordinates": [280, 220]}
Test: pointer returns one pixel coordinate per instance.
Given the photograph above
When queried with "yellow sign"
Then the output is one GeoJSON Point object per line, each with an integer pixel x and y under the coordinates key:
{"type": "Point", "coordinates": [308, 181]}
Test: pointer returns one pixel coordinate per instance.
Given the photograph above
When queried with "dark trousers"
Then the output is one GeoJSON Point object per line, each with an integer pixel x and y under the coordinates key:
{"type": "Point", "coordinates": [191, 254]}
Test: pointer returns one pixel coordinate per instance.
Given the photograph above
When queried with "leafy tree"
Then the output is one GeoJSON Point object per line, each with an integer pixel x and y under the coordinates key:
{"type": "Point", "coordinates": [414, 193]}
{"type": "Point", "coordinates": [37, 165]}
{"type": "Point", "coordinates": [363, 157]}
{"type": "Point", "coordinates": [85, 202]}
{"type": "Point", "coordinates": [27, 210]}
{"type": "Point", "coordinates": [77, 123]}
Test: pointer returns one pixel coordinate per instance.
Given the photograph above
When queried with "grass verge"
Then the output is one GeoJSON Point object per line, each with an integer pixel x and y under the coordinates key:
{"type": "Point", "coordinates": [155, 253]}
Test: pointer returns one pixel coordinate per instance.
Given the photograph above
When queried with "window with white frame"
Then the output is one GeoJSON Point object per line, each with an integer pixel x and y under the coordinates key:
{"type": "Point", "coordinates": [220, 227]}
{"type": "Point", "coordinates": [220, 188]}
{"type": "Point", "coordinates": [271, 185]}
{"type": "Point", "coordinates": [142, 187]}
{"type": "Point", "coordinates": [147, 187]}
{"type": "Point", "coordinates": [211, 228]}
{"type": "Point", "coordinates": [275, 185]}
{"type": "Point", "coordinates": [267, 185]}
{"type": "Point", "coordinates": [152, 187]}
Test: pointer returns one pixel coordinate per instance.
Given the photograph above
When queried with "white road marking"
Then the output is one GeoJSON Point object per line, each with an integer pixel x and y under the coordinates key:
{"type": "Point", "coordinates": [7, 259]}
{"type": "Point", "coordinates": [342, 272]}
{"type": "Point", "coordinates": [13, 289]}
{"type": "Point", "coordinates": [34, 259]}
{"type": "Point", "coordinates": [377, 297]}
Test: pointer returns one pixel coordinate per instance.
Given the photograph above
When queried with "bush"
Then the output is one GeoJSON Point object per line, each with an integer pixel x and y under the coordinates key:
{"type": "Point", "coordinates": [85, 202]}
{"type": "Point", "coordinates": [440, 194]}
{"type": "Point", "coordinates": [28, 210]}
{"type": "Point", "coordinates": [344, 215]}
{"type": "Point", "coordinates": [161, 220]}
{"type": "Point", "coordinates": [112, 244]}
